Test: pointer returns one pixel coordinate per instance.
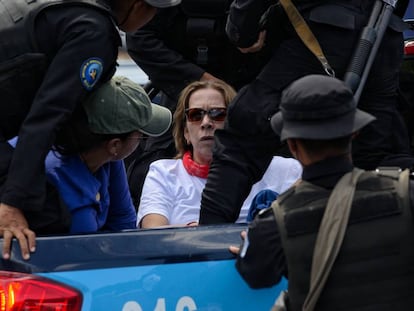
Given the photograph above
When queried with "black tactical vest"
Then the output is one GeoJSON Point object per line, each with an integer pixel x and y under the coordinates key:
{"type": "Point", "coordinates": [17, 19]}
{"type": "Point", "coordinates": [22, 66]}
{"type": "Point", "coordinates": [375, 266]}
{"type": "Point", "coordinates": [203, 41]}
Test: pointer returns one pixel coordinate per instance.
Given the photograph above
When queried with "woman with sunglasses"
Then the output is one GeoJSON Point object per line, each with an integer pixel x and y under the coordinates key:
{"type": "Point", "coordinates": [172, 189]}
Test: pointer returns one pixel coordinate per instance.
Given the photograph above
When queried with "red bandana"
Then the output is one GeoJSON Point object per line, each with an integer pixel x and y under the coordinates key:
{"type": "Point", "coordinates": [193, 168]}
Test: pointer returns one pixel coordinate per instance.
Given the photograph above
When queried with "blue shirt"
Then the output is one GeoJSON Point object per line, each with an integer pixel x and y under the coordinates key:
{"type": "Point", "coordinates": [99, 201]}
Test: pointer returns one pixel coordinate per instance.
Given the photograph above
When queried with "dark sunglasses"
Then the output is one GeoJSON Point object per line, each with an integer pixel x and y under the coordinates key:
{"type": "Point", "coordinates": [197, 114]}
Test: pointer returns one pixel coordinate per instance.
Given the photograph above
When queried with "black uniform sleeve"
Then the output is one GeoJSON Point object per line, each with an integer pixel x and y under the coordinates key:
{"type": "Point", "coordinates": [243, 22]}
{"type": "Point", "coordinates": [411, 196]}
{"type": "Point", "coordinates": [167, 69]}
{"type": "Point", "coordinates": [261, 261]}
{"type": "Point", "coordinates": [74, 36]}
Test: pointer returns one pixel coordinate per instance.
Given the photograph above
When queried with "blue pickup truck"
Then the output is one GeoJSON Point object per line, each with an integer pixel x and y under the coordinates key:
{"type": "Point", "coordinates": [177, 269]}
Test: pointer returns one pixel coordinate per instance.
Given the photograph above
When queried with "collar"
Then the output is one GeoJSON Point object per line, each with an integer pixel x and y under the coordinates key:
{"type": "Point", "coordinates": [326, 173]}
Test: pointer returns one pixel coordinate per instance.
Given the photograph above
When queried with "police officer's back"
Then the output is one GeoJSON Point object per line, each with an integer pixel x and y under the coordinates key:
{"type": "Point", "coordinates": [374, 267]}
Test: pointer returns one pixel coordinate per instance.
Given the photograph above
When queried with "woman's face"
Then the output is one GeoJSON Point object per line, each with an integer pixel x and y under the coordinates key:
{"type": "Point", "coordinates": [200, 134]}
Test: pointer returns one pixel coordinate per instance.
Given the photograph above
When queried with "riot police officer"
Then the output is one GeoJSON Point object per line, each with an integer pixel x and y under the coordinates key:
{"type": "Point", "coordinates": [53, 54]}
{"type": "Point", "coordinates": [373, 269]}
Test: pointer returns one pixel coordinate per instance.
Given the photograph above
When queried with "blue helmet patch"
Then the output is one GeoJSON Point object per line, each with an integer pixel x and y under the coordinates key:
{"type": "Point", "coordinates": [90, 72]}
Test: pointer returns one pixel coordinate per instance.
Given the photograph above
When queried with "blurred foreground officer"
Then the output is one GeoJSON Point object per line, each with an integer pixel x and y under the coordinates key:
{"type": "Point", "coordinates": [52, 54]}
{"type": "Point", "coordinates": [246, 145]}
{"type": "Point", "coordinates": [375, 266]}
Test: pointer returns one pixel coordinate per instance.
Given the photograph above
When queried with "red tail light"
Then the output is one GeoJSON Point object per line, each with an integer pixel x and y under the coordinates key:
{"type": "Point", "coordinates": [409, 48]}
{"type": "Point", "coordinates": [26, 292]}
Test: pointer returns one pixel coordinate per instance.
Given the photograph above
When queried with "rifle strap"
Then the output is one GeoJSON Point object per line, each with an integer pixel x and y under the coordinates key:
{"type": "Point", "coordinates": [331, 235]}
{"type": "Point", "coordinates": [306, 34]}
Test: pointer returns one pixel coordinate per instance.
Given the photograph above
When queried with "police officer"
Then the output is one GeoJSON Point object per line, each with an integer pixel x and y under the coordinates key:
{"type": "Point", "coordinates": [374, 268]}
{"type": "Point", "coordinates": [180, 45]}
{"type": "Point", "coordinates": [244, 147]}
{"type": "Point", "coordinates": [53, 54]}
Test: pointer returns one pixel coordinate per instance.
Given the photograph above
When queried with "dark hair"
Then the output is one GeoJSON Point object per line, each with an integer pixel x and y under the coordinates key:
{"type": "Point", "coordinates": [76, 137]}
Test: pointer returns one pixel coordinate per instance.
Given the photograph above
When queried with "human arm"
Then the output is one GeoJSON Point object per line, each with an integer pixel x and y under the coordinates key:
{"type": "Point", "coordinates": [243, 23]}
{"type": "Point", "coordinates": [257, 46]}
{"type": "Point", "coordinates": [160, 53]}
{"type": "Point", "coordinates": [157, 198]}
{"type": "Point", "coordinates": [67, 45]}
{"type": "Point", "coordinates": [260, 260]}
{"type": "Point", "coordinates": [121, 214]}
{"type": "Point", "coordinates": [60, 92]}
{"type": "Point", "coordinates": [153, 220]}
{"type": "Point", "coordinates": [98, 201]}
{"type": "Point", "coordinates": [209, 77]}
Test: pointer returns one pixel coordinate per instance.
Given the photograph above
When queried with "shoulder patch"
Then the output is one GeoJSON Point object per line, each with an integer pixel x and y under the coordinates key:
{"type": "Point", "coordinates": [90, 72]}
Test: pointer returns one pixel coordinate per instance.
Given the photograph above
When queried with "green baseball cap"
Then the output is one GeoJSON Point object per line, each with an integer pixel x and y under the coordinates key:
{"type": "Point", "coordinates": [122, 106]}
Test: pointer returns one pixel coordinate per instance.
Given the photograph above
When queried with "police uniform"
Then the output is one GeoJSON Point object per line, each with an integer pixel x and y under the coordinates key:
{"type": "Point", "coordinates": [60, 52]}
{"type": "Point", "coordinates": [181, 43]}
{"type": "Point", "coordinates": [246, 145]}
{"type": "Point", "coordinates": [374, 267]}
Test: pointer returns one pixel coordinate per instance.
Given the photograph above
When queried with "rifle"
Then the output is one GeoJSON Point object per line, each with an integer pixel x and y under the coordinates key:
{"type": "Point", "coordinates": [368, 44]}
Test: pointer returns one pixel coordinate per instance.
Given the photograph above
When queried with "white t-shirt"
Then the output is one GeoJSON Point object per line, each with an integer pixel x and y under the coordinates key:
{"type": "Point", "coordinates": [170, 191]}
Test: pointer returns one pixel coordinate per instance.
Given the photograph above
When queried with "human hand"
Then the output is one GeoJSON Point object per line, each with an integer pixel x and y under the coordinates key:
{"type": "Point", "coordinates": [257, 46]}
{"type": "Point", "coordinates": [236, 249]}
{"type": "Point", "coordinates": [14, 224]}
{"type": "Point", "coordinates": [192, 224]}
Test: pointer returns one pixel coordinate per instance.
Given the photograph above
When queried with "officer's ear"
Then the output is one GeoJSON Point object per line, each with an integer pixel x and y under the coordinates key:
{"type": "Point", "coordinates": [293, 146]}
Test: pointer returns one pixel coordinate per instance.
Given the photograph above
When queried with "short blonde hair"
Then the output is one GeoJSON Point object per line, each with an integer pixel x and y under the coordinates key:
{"type": "Point", "coordinates": [179, 121]}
